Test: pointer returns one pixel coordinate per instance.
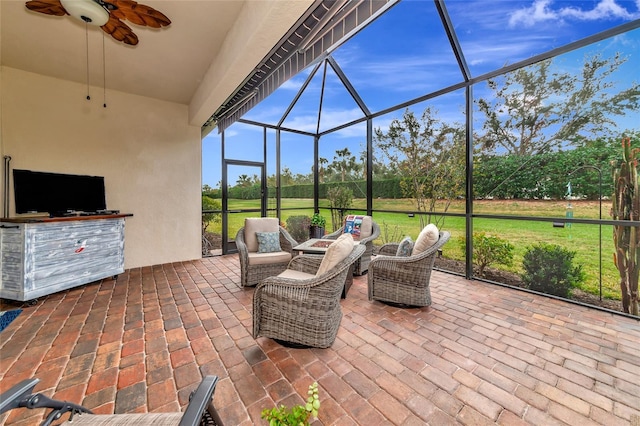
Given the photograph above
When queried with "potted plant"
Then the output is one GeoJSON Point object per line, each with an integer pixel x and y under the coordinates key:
{"type": "Point", "coordinates": [316, 229]}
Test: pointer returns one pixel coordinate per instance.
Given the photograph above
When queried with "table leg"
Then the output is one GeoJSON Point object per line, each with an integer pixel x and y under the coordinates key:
{"type": "Point", "coordinates": [348, 282]}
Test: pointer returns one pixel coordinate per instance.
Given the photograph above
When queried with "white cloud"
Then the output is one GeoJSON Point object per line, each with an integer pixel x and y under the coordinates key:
{"type": "Point", "coordinates": [295, 82]}
{"type": "Point", "coordinates": [537, 12]}
{"type": "Point", "coordinates": [330, 119]}
{"type": "Point", "coordinates": [291, 84]}
{"type": "Point", "coordinates": [543, 11]}
{"type": "Point", "coordinates": [605, 9]}
{"type": "Point", "coordinates": [508, 50]}
{"type": "Point", "coordinates": [230, 133]}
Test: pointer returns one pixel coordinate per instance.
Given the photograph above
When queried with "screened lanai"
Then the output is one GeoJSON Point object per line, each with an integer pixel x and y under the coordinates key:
{"type": "Point", "coordinates": [502, 122]}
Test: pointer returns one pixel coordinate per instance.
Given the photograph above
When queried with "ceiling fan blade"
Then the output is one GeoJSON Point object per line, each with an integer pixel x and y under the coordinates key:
{"type": "Point", "coordinates": [120, 31]}
{"type": "Point", "coordinates": [139, 14]}
{"type": "Point", "coordinates": [48, 7]}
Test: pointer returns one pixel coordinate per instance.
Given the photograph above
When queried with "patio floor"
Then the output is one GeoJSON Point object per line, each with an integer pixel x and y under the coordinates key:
{"type": "Point", "coordinates": [481, 354]}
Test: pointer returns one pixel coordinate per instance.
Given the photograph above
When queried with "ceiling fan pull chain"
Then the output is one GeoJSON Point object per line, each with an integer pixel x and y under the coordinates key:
{"type": "Point", "coordinates": [104, 74]}
{"type": "Point", "coordinates": [86, 30]}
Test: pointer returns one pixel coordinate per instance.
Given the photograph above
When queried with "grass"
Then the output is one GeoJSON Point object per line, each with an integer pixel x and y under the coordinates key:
{"type": "Point", "coordinates": [581, 238]}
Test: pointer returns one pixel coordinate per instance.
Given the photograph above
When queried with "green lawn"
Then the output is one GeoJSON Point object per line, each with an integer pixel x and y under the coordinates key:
{"type": "Point", "coordinates": [581, 238]}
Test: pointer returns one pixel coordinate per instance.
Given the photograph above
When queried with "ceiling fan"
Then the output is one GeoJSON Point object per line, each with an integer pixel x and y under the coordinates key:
{"type": "Point", "coordinates": [107, 14]}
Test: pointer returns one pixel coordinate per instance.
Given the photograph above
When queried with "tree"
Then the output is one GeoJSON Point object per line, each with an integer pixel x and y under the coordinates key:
{"type": "Point", "coordinates": [286, 177]}
{"type": "Point", "coordinates": [211, 192]}
{"type": "Point", "coordinates": [340, 199]}
{"type": "Point", "coordinates": [429, 156]}
{"type": "Point", "coordinates": [344, 163]}
{"type": "Point", "coordinates": [626, 206]}
{"type": "Point", "coordinates": [534, 109]}
{"type": "Point", "coordinates": [363, 163]}
{"type": "Point", "coordinates": [243, 181]}
{"type": "Point", "coordinates": [321, 168]}
{"type": "Point", "coordinates": [271, 181]}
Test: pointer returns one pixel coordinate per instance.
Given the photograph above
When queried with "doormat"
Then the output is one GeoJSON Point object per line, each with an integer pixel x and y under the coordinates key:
{"type": "Point", "coordinates": [7, 316]}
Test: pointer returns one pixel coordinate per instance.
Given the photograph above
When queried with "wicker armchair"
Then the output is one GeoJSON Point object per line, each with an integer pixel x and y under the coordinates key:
{"type": "Point", "coordinates": [255, 266]}
{"type": "Point", "coordinates": [362, 265]}
{"type": "Point", "coordinates": [302, 311]}
{"type": "Point", "coordinates": [403, 280]}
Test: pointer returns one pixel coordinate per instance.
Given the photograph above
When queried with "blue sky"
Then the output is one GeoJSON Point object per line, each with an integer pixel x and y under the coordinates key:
{"type": "Point", "coordinates": [405, 54]}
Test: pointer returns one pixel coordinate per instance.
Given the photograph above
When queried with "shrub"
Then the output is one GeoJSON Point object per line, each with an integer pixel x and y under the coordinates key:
{"type": "Point", "coordinates": [298, 227]}
{"type": "Point", "coordinates": [548, 268]}
{"type": "Point", "coordinates": [209, 204]}
{"type": "Point", "coordinates": [208, 238]}
{"type": "Point", "coordinates": [489, 250]}
{"type": "Point", "coordinates": [390, 233]}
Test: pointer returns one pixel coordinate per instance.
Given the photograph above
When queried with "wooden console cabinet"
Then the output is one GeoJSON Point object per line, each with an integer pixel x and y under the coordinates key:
{"type": "Point", "coordinates": [40, 256]}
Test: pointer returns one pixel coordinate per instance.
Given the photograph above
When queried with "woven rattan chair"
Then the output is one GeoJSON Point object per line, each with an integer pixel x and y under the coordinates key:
{"type": "Point", "coordinates": [403, 280]}
{"type": "Point", "coordinates": [255, 266]}
{"type": "Point", "coordinates": [302, 311]}
{"type": "Point", "coordinates": [199, 412]}
{"type": "Point", "coordinates": [362, 265]}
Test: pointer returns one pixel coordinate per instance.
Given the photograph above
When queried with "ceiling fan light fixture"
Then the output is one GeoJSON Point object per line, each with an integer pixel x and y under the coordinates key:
{"type": "Point", "coordinates": [87, 11]}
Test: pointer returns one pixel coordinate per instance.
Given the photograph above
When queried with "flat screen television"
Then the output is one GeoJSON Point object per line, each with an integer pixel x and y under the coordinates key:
{"type": "Point", "coordinates": [57, 193]}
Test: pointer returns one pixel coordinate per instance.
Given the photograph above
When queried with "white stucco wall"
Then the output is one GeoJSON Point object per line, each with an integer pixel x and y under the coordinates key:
{"type": "Point", "coordinates": [149, 155]}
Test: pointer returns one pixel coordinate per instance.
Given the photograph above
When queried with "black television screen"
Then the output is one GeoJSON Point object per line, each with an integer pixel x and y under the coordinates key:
{"type": "Point", "coordinates": [57, 193]}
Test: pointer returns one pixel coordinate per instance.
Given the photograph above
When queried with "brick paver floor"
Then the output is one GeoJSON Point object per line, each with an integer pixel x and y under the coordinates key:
{"type": "Point", "coordinates": [481, 354]}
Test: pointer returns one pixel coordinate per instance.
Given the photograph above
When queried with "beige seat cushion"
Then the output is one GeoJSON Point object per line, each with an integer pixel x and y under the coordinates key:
{"type": "Point", "coordinates": [150, 419]}
{"type": "Point", "coordinates": [268, 258]}
{"type": "Point", "coordinates": [258, 224]}
{"type": "Point", "coordinates": [358, 226]}
{"type": "Point", "coordinates": [428, 237]}
{"type": "Point", "coordinates": [336, 253]}
{"type": "Point", "coordinates": [296, 275]}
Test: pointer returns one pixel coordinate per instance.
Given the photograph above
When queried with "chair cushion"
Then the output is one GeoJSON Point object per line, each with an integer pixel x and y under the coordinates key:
{"type": "Point", "coordinates": [405, 247]}
{"type": "Point", "coordinates": [268, 242]}
{"type": "Point", "coordinates": [295, 275]}
{"type": "Point", "coordinates": [258, 224]}
{"type": "Point", "coordinates": [428, 237]}
{"type": "Point", "coordinates": [268, 258]}
{"type": "Point", "coordinates": [336, 253]}
{"type": "Point", "coordinates": [155, 419]}
{"type": "Point", "coordinates": [358, 226]}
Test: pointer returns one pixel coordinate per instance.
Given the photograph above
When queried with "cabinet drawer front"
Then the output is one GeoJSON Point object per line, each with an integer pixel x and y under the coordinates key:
{"type": "Point", "coordinates": [12, 260]}
{"type": "Point", "coordinates": [43, 258]}
{"type": "Point", "coordinates": [64, 253]}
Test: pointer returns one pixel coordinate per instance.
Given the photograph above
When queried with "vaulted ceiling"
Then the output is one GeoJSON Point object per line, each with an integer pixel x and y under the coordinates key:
{"type": "Point", "coordinates": [199, 60]}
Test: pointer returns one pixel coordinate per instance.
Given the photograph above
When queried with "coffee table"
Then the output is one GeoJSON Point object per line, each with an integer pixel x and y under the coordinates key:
{"type": "Point", "coordinates": [319, 246]}
{"type": "Point", "coordinates": [314, 246]}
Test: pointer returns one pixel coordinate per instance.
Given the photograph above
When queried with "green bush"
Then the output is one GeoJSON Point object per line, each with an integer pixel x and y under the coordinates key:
{"type": "Point", "coordinates": [545, 175]}
{"type": "Point", "coordinates": [298, 227]}
{"type": "Point", "coordinates": [548, 268]}
{"type": "Point", "coordinates": [489, 250]}
{"type": "Point", "coordinates": [209, 204]}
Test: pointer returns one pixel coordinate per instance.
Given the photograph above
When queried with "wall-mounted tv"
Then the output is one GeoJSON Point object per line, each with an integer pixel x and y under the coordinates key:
{"type": "Point", "coordinates": [57, 193]}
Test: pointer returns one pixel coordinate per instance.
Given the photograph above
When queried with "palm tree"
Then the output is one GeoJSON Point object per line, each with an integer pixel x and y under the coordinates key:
{"type": "Point", "coordinates": [243, 180]}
